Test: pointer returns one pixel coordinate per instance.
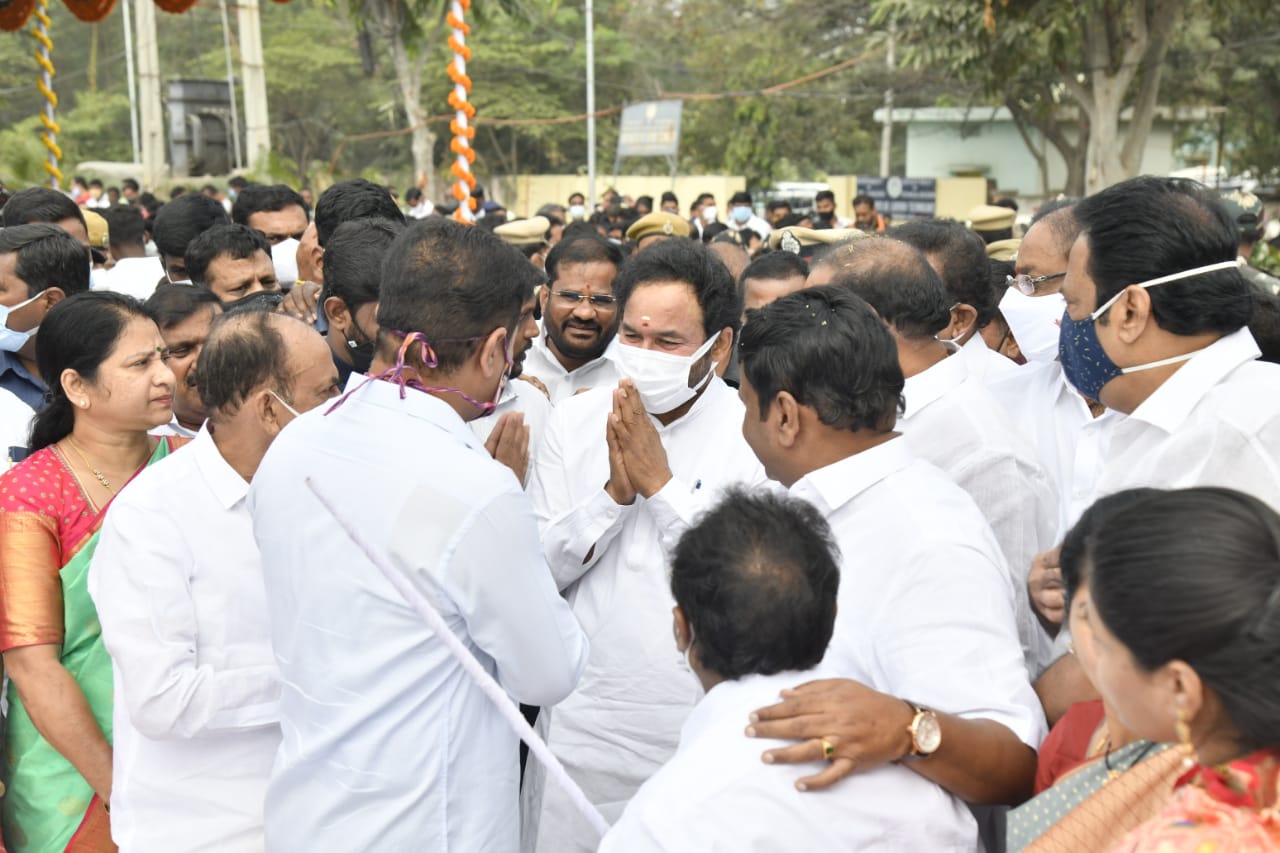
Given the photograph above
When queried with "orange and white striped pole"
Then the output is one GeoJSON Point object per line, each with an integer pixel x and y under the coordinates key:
{"type": "Point", "coordinates": [464, 132]}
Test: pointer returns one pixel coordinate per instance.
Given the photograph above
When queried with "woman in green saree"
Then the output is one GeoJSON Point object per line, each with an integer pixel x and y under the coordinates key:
{"type": "Point", "coordinates": [102, 358]}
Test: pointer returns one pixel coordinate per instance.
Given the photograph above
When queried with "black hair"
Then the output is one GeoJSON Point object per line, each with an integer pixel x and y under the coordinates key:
{"type": "Point", "coordinates": [1149, 227]}
{"type": "Point", "coordinates": [238, 182]}
{"type": "Point", "coordinates": [775, 265]}
{"type": "Point", "coordinates": [1265, 325]}
{"type": "Point", "coordinates": [353, 199]}
{"type": "Point", "coordinates": [962, 256]}
{"type": "Point", "coordinates": [39, 204]}
{"type": "Point", "coordinates": [714, 230]}
{"type": "Point", "coordinates": [703, 197]}
{"type": "Point", "coordinates": [184, 219]}
{"type": "Point", "coordinates": [47, 257]}
{"type": "Point", "coordinates": [827, 348]}
{"type": "Point", "coordinates": [353, 260]}
{"type": "Point", "coordinates": [172, 304]}
{"type": "Point", "coordinates": [451, 281]}
{"type": "Point", "coordinates": [824, 195]}
{"type": "Point", "coordinates": [864, 199]}
{"type": "Point", "coordinates": [130, 184]}
{"type": "Point", "coordinates": [1006, 202]}
{"type": "Point", "coordinates": [235, 241]}
{"type": "Point", "coordinates": [79, 333]}
{"type": "Point", "coordinates": [792, 220]}
{"type": "Point", "coordinates": [581, 247]}
{"type": "Point", "coordinates": [1072, 558]}
{"type": "Point", "coordinates": [260, 198]}
{"type": "Point", "coordinates": [572, 196]}
{"type": "Point", "coordinates": [646, 200]}
{"type": "Point", "coordinates": [179, 191]}
{"type": "Point", "coordinates": [757, 579]}
{"type": "Point", "coordinates": [412, 195]}
{"type": "Point", "coordinates": [898, 282]}
{"type": "Point", "coordinates": [243, 352]}
{"type": "Point", "coordinates": [209, 189]}
{"type": "Point", "coordinates": [1194, 575]}
{"type": "Point", "coordinates": [125, 226]}
{"type": "Point", "coordinates": [669, 196]}
{"type": "Point", "coordinates": [95, 183]}
{"type": "Point", "coordinates": [696, 266]}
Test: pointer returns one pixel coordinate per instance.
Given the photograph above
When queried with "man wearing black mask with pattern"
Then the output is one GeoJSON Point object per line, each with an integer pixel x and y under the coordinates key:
{"type": "Point", "coordinates": [352, 276]}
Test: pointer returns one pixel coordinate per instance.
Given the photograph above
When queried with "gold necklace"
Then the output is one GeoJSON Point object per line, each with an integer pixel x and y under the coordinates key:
{"type": "Point", "coordinates": [106, 484]}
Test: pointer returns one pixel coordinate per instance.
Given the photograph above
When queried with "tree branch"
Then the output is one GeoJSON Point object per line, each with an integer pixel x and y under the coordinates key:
{"type": "Point", "coordinates": [1166, 15]}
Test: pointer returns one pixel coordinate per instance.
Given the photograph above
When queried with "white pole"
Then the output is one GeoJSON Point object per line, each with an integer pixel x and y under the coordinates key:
{"type": "Point", "coordinates": [254, 79]}
{"type": "Point", "coordinates": [591, 106]}
{"type": "Point", "coordinates": [150, 109]}
{"type": "Point", "coordinates": [237, 161]}
{"type": "Point", "coordinates": [886, 134]}
{"type": "Point", "coordinates": [131, 80]}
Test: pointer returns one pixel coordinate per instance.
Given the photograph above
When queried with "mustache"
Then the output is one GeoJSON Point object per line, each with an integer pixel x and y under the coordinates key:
{"type": "Point", "coordinates": [589, 326]}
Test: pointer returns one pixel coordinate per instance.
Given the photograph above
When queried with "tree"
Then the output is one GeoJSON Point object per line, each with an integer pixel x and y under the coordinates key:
{"type": "Point", "coordinates": [1102, 56]}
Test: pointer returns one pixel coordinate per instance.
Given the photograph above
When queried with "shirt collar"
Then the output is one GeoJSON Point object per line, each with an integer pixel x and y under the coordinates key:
{"type": "Point", "coordinates": [228, 487]}
{"type": "Point", "coordinates": [835, 485]}
{"type": "Point", "coordinates": [734, 700]}
{"type": "Point", "coordinates": [547, 355]}
{"type": "Point", "coordinates": [1171, 403]}
{"type": "Point", "coordinates": [932, 384]}
{"type": "Point", "coordinates": [10, 362]}
{"type": "Point", "coordinates": [365, 391]}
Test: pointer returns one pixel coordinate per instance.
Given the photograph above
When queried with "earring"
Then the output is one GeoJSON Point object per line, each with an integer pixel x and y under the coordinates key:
{"type": "Point", "coordinates": [84, 404]}
{"type": "Point", "coordinates": [1183, 730]}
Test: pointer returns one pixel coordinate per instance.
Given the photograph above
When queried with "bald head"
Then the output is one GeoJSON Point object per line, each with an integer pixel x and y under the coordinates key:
{"type": "Point", "coordinates": [246, 354]}
{"type": "Point", "coordinates": [894, 278]}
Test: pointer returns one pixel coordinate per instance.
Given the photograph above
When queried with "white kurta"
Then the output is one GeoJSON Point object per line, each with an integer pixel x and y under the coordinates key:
{"type": "Point", "coordinates": [1068, 440]}
{"type": "Point", "coordinates": [177, 582]}
{"type": "Point", "coordinates": [954, 422]}
{"type": "Point", "coordinates": [542, 363]}
{"type": "Point", "coordinates": [15, 426]}
{"type": "Point", "coordinates": [715, 795]}
{"type": "Point", "coordinates": [136, 277]}
{"type": "Point", "coordinates": [388, 745]}
{"type": "Point", "coordinates": [926, 610]}
{"type": "Point", "coordinates": [623, 721]}
{"type": "Point", "coordinates": [1214, 422]}
{"type": "Point", "coordinates": [985, 364]}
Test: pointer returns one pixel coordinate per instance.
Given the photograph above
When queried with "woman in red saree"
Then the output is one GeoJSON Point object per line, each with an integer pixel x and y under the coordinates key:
{"type": "Point", "coordinates": [1185, 622]}
{"type": "Point", "coordinates": [101, 356]}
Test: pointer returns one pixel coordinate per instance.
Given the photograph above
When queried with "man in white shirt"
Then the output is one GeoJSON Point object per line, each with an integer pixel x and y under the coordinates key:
{"type": "Point", "coordinates": [925, 639]}
{"type": "Point", "coordinates": [621, 473]}
{"type": "Point", "coordinates": [743, 216]}
{"type": "Point", "coordinates": [579, 318]}
{"type": "Point", "coordinates": [755, 584]}
{"type": "Point", "coordinates": [15, 428]}
{"type": "Point", "coordinates": [177, 582]}
{"type": "Point", "coordinates": [184, 315]}
{"type": "Point", "coordinates": [134, 273]}
{"type": "Point", "coordinates": [952, 420]}
{"type": "Point", "coordinates": [387, 743]}
{"type": "Point", "coordinates": [959, 258]}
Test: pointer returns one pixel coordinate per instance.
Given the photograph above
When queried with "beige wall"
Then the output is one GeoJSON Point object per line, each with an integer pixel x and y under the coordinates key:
{"type": "Point", "coordinates": [524, 194]}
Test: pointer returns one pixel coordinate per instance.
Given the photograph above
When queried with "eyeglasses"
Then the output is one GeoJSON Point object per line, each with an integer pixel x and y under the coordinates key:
{"type": "Point", "coordinates": [1027, 284]}
{"type": "Point", "coordinates": [600, 301]}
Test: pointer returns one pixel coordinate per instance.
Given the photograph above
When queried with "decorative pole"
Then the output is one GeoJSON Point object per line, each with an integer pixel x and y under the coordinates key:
{"type": "Point", "coordinates": [463, 131]}
{"type": "Point", "coordinates": [49, 136]}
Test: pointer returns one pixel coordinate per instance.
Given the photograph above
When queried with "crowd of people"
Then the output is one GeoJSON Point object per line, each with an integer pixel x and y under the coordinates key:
{"type": "Point", "coordinates": [790, 532]}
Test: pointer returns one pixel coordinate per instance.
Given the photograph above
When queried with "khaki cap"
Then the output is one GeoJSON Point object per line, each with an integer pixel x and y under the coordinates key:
{"type": "Point", "coordinates": [991, 217]}
{"type": "Point", "coordinates": [657, 224]}
{"type": "Point", "coordinates": [524, 232]}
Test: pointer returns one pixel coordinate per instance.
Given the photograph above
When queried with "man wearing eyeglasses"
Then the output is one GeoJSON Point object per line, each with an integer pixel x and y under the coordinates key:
{"type": "Point", "coordinates": [579, 318]}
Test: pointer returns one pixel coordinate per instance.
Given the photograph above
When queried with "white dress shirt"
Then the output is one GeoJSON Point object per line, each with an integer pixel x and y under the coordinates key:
{"type": "Point", "coordinates": [623, 720]}
{"type": "Point", "coordinates": [953, 421]}
{"type": "Point", "coordinates": [177, 583]}
{"type": "Point", "coordinates": [388, 745]}
{"type": "Point", "coordinates": [926, 609]}
{"type": "Point", "coordinates": [985, 364]}
{"type": "Point", "coordinates": [1214, 422]}
{"type": "Point", "coordinates": [1069, 441]}
{"type": "Point", "coordinates": [762, 228]}
{"type": "Point", "coordinates": [136, 277]}
{"type": "Point", "coordinates": [15, 425]}
{"type": "Point", "coordinates": [542, 363]}
{"type": "Point", "coordinates": [715, 794]}
{"type": "Point", "coordinates": [519, 396]}
{"type": "Point", "coordinates": [173, 428]}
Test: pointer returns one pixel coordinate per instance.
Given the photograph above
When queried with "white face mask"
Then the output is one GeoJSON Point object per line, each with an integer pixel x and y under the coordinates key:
{"type": "Point", "coordinates": [1034, 322]}
{"type": "Point", "coordinates": [284, 257]}
{"type": "Point", "coordinates": [662, 378]}
{"type": "Point", "coordinates": [12, 340]}
{"type": "Point", "coordinates": [709, 214]}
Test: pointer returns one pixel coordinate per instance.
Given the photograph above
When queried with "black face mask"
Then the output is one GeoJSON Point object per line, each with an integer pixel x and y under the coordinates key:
{"type": "Point", "coordinates": [361, 355]}
{"type": "Point", "coordinates": [828, 216]}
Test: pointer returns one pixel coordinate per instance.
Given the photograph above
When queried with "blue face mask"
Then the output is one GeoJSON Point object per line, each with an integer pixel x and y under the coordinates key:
{"type": "Point", "coordinates": [1086, 364]}
{"type": "Point", "coordinates": [741, 214]}
{"type": "Point", "coordinates": [12, 340]}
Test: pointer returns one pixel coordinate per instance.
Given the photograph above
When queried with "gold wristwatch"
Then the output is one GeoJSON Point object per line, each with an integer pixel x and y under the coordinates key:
{"type": "Point", "coordinates": [925, 731]}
